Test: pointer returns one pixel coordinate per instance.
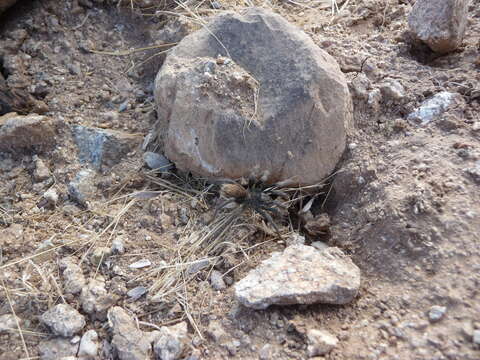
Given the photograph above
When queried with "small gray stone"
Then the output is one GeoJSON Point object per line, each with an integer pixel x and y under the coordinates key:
{"type": "Point", "coordinates": [433, 107]}
{"type": "Point", "coordinates": [300, 275]}
{"type": "Point", "coordinates": [88, 344]}
{"type": "Point", "coordinates": [436, 313]}
{"type": "Point", "coordinates": [51, 196]}
{"type": "Point", "coordinates": [137, 292]}
{"type": "Point", "coordinates": [393, 91]}
{"type": "Point", "coordinates": [216, 332]}
{"type": "Point", "coordinates": [100, 147]}
{"type": "Point", "coordinates": [320, 245]}
{"type": "Point", "coordinates": [140, 264]}
{"type": "Point", "coordinates": [63, 320]}
{"type": "Point", "coordinates": [8, 323]}
{"type": "Point", "coordinates": [157, 161]}
{"type": "Point", "coordinates": [320, 342]}
{"type": "Point", "coordinates": [216, 279]}
{"type": "Point", "coordinates": [99, 255]}
{"type": "Point", "coordinates": [57, 348]}
{"type": "Point", "coordinates": [171, 342]}
{"type": "Point", "coordinates": [41, 172]}
{"type": "Point", "coordinates": [82, 188]}
{"type": "Point", "coordinates": [118, 246]}
{"type": "Point", "coordinates": [476, 337]}
{"type": "Point", "coordinates": [74, 280]}
{"type": "Point", "coordinates": [129, 342]}
{"type": "Point", "coordinates": [265, 353]}
{"type": "Point", "coordinates": [95, 299]}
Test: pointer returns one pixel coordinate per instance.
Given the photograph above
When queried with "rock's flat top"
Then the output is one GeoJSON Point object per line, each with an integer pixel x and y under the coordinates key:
{"type": "Point", "coordinates": [300, 275]}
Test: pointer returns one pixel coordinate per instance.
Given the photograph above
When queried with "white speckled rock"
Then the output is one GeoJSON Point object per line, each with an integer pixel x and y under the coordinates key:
{"type": "Point", "coordinates": [300, 275]}
{"type": "Point", "coordinates": [63, 320]}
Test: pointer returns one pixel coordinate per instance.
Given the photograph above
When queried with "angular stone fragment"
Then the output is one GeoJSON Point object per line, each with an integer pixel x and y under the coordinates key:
{"type": "Point", "coordinates": [440, 24]}
{"type": "Point", "coordinates": [171, 341]}
{"type": "Point", "coordinates": [82, 187]}
{"type": "Point", "coordinates": [58, 348]}
{"type": "Point", "coordinates": [63, 320]}
{"type": "Point", "coordinates": [300, 275]}
{"type": "Point", "coordinates": [96, 300]}
{"type": "Point", "coordinates": [129, 342]}
{"type": "Point", "coordinates": [273, 106]}
{"type": "Point", "coordinates": [320, 342]}
{"type": "Point", "coordinates": [32, 132]}
{"type": "Point", "coordinates": [433, 107]}
{"type": "Point", "coordinates": [74, 280]}
{"type": "Point", "coordinates": [100, 147]}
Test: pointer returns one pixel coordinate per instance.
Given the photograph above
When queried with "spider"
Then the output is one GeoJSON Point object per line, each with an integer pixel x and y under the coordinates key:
{"type": "Point", "coordinates": [253, 197]}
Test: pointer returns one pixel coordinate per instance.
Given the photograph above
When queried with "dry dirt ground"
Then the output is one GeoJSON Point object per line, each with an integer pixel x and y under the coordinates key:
{"type": "Point", "coordinates": [405, 203]}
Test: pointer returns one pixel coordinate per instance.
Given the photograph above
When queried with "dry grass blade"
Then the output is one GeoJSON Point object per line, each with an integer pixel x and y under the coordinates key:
{"type": "Point", "coordinates": [7, 294]}
{"type": "Point", "coordinates": [131, 51]}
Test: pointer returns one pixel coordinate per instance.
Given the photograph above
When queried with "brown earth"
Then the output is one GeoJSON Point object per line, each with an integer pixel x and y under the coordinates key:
{"type": "Point", "coordinates": [404, 203]}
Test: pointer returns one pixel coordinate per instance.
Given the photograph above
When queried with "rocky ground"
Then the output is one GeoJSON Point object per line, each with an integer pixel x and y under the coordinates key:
{"type": "Point", "coordinates": [102, 258]}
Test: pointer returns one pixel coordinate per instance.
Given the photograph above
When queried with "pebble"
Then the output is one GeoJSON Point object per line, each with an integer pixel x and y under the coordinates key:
{"type": "Point", "coordinates": [140, 264]}
{"type": "Point", "coordinates": [82, 187]}
{"type": "Point", "coordinates": [137, 292]}
{"type": "Point", "coordinates": [88, 344]}
{"type": "Point", "coordinates": [216, 279]}
{"type": "Point", "coordinates": [74, 280]}
{"type": "Point", "coordinates": [433, 107]}
{"type": "Point", "coordinates": [95, 299]}
{"type": "Point", "coordinates": [51, 196]}
{"type": "Point", "coordinates": [265, 352]}
{"type": "Point", "coordinates": [7, 323]}
{"type": "Point", "coordinates": [436, 313]}
{"type": "Point", "coordinates": [41, 172]}
{"type": "Point", "coordinates": [57, 348]}
{"type": "Point", "coordinates": [216, 332]}
{"type": "Point", "coordinates": [63, 320]}
{"type": "Point", "coordinates": [157, 162]}
{"type": "Point", "coordinates": [99, 255]}
{"type": "Point", "coordinates": [320, 342]}
{"type": "Point", "coordinates": [171, 342]}
{"type": "Point", "coordinates": [476, 337]}
{"type": "Point", "coordinates": [118, 246]}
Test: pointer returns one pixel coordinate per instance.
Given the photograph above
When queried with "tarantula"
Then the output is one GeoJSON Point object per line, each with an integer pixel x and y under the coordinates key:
{"type": "Point", "coordinates": [254, 197]}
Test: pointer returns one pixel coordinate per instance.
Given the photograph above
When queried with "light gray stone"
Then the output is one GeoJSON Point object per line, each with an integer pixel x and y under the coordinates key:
{"type": "Point", "coordinates": [99, 147]}
{"type": "Point", "coordinates": [74, 280]}
{"type": "Point", "coordinates": [273, 106]}
{"type": "Point", "coordinates": [41, 171]}
{"type": "Point", "coordinates": [8, 323]}
{"type": "Point", "coordinates": [82, 187]}
{"type": "Point", "coordinates": [63, 320]}
{"type": "Point", "coordinates": [58, 348]}
{"type": "Point", "coordinates": [129, 342]}
{"type": "Point", "coordinates": [433, 107]}
{"type": "Point", "coordinates": [171, 342]}
{"type": "Point", "coordinates": [436, 313]}
{"type": "Point", "coordinates": [118, 246]}
{"type": "Point", "coordinates": [157, 161]}
{"type": "Point", "coordinates": [300, 275]}
{"type": "Point", "coordinates": [440, 24]}
{"type": "Point", "coordinates": [95, 299]}
{"type": "Point", "coordinates": [216, 279]}
{"type": "Point", "coordinates": [320, 342]}
{"type": "Point", "coordinates": [476, 337]}
{"type": "Point", "coordinates": [88, 344]}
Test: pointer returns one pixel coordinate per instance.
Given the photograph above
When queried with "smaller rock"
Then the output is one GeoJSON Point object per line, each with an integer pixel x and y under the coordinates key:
{"type": "Point", "coordinates": [88, 344]}
{"type": "Point", "coordinates": [19, 133]}
{"type": "Point", "coordinates": [63, 320]}
{"type": "Point", "coordinates": [320, 245]}
{"type": "Point", "coordinates": [8, 323]}
{"type": "Point", "coordinates": [74, 280]}
{"type": "Point", "coordinates": [433, 107]}
{"type": "Point", "coordinates": [95, 299]}
{"type": "Point", "coordinates": [137, 292]}
{"type": "Point", "coordinates": [100, 147]}
{"type": "Point", "coordinates": [198, 266]}
{"type": "Point", "coordinates": [99, 255]}
{"type": "Point", "coordinates": [41, 172]}
{"type": "Point", "coordinates": [82, 188]}
{"type": "Point", "coordinates": [393, 91]}
{"type": "Point", "coordinates": [118, 246]}
{"type": "Point", "coordinates": [265, 352]}
{"type": "Point", "coordinates": [216, 332]}
{"type": "Point", "coordinates": [216, 5]}
{"type": "Point", "coordinates": [57, 348]}
{"type": "Point", "coordinates": [216, 279]}
{"type": "Point", "coordinates": [320, 342]}
{"type": "Point", "coordinates": [320, 225]}
{"type": "Point", "coordinates": [140, 264]}
{"type": "Point", "coordinates": [440, 24]}
{"type": "Point", "coordinates": [476, 337]}
{"type": "Point", "coordinates": [157, 162]}
{"type": "Point", "coordinates": [171, 342]}
{"type": "Point", "coordinates": [436, 313]}
{"type": "Point", "coordinates": [51, 197]}
{"type": "Point", "coordinates": [474, 172]}
{"type": "Point", "coordinates": [129, 342]}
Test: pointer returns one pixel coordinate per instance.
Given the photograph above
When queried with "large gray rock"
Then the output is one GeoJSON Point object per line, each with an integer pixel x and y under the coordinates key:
{"type": "Point", "coordinates": [300, 275]}
{"type": "Point", "coordinates": [63, 320]}
{"type": "Point", "coordinates": [273, 105]}
{"type": "Point", "coordinates": [440, 24]}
